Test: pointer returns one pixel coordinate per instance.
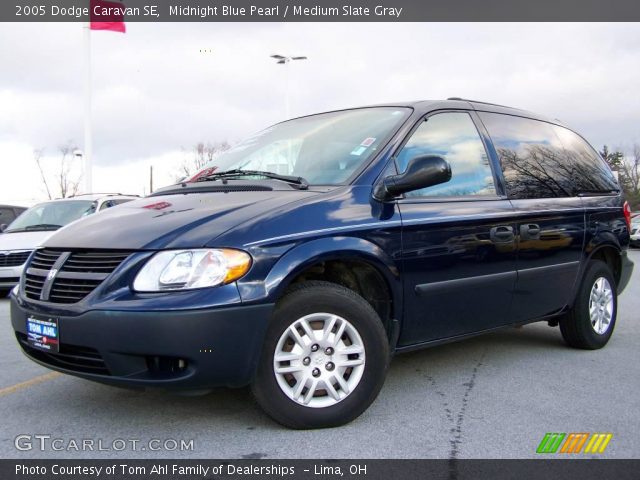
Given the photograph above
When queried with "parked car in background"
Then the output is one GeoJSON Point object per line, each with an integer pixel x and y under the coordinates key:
{"type": "Point", "coordinates": [635, 231]}
{"type": "Point", "coordinates": [37, 224]}
{"type": "Point", "coordinates": [8, 213]}
{"type": "Point", "coordinates": [324, 245]}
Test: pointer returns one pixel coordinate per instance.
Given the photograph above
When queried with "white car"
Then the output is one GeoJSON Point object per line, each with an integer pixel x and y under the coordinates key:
{"type": "Point", "coordinates": [635, 231]}
{"type": "Point", "coordinates": [38, 223]}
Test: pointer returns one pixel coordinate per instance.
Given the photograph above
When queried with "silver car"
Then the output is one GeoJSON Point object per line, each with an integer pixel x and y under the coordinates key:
{"type": "Point", "coordinates": [38, 223]}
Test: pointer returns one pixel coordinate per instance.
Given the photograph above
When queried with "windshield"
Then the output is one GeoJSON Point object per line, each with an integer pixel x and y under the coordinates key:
{"type": "Point", "coordinates": [324, 149]}
{"type": "Point", "coordinates": [51, 215]}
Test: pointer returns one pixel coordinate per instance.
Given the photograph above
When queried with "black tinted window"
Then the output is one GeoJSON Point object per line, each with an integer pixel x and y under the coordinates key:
{"type": "Point", "coordinates": [454, 137]}
{"type": "Point", "coordinates": [588, 172]}
{"type": "Point", "coordinates": [531, 156]}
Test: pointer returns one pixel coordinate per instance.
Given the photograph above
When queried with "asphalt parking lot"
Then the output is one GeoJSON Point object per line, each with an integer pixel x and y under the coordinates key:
{"type": "Point", "coordinates": [493, 396]}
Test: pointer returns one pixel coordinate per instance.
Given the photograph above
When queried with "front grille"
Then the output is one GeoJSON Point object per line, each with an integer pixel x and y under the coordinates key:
{"type": "Point", "coordinates": [96, 262]}
{"type": "Point", "coordinates": [77, 274]}
{"type": "Point", "coordinates": [33, 286]}
{"type": "Point", "coordinates": [71, 290]}
{"type": "Point", "coordinates": [44, 259]}
{"type": "Point", "coordinates": [14, 259]}
{"type": "Point", "coordinates": [70, 357]}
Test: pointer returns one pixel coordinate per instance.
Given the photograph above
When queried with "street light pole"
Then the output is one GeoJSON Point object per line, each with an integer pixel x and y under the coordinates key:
{"type": "Point", "coordinates": [286, 60]}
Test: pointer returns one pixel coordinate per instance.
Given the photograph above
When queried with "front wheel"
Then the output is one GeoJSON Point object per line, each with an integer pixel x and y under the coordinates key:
{"type": "Point", "coordinates": [590, 323]}
{"type": "Point", "coordinates": [324, 358]}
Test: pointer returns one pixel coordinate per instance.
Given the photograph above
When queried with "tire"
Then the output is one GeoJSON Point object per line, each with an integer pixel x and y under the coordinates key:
{"type": "Point", "coordinates": [577, 327]}
{"type": "Point", "coordinates": [318, 304]}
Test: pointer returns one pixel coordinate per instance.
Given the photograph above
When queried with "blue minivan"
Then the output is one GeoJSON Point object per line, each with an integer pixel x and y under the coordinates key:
{"type": "Point", "coordinates": [321, 246]}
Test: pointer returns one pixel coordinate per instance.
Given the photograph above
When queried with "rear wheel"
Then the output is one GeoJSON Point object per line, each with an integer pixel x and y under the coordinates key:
{"type": "Point", "coordinates": [590, 323]}
{"type": "Point", "coordinates": [324, 359]}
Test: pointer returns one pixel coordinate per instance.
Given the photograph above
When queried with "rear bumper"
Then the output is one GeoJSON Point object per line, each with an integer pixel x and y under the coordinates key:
{"type": "Point", "coordinates": [186, 350]}
{"type": "Point", "coordinates": [626, 269]}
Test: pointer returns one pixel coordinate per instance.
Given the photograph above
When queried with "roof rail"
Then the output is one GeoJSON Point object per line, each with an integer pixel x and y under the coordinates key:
{"type": "Point", "coordinates": [105, 194]}
{"type": "Point", "coordinates": [483, 103]}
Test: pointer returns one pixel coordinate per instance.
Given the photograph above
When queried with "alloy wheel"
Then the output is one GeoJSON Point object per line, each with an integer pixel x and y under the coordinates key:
{"type": "Point", "coordinates": [319, 360]}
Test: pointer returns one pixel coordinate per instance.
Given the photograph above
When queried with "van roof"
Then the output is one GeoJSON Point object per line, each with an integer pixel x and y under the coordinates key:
{"type": "Point", "coordinates": [426, 106]}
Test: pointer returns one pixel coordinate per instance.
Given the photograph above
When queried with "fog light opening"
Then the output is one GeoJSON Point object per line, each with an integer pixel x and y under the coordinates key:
{"type": "Point", "coordinates": [164, 365]}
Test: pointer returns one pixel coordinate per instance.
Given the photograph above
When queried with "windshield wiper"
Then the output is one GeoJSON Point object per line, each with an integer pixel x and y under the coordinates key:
{"type": "Point", "coordinates": [39, 226]}
{"type": "Point", "coordinates": [301, 182]}
{"type": "Point", "coordinates": [43, 226]}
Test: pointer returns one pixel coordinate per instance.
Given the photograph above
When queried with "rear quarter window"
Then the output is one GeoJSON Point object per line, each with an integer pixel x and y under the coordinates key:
{"type": "Point", "coordinates": [589, 173]}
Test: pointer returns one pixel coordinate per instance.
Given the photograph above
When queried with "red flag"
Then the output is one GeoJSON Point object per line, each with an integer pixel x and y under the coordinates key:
{"type": "Point", "coordinates": [106, 15]}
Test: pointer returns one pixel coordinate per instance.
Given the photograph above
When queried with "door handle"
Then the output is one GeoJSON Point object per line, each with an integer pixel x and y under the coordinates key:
{"type": "Point", "coordinates": [502, 234]}
{"type": "Point", "coordinates": [529, 231]}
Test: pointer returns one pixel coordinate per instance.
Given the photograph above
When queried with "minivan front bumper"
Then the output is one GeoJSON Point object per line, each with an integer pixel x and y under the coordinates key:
{"type": "Point", "coordinates": [184, 349]}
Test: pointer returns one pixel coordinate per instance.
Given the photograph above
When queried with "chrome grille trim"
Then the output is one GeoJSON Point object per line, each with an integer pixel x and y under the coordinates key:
{"type": "Point", "coordinates": [67, 277]}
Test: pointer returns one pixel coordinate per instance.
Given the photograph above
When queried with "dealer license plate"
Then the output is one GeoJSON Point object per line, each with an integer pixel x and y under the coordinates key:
{"type": "Point", "coordinates": [43, 334]}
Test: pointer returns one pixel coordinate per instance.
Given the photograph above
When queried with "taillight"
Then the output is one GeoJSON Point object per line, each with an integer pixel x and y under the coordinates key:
{"type": "Point", "coordinates": [627, 214]}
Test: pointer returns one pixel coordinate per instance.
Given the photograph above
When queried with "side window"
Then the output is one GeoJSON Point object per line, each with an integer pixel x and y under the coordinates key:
{"type": "Point", "coordinates": [107, 204]}
{"type": "Point", "coordinates": [589, 173]}
{"type": "Point", "coordinates": [6, 215]}
{"type": "Point", "coordinates": [454, 137]}
{"type": "Point", "coordinates": [530, 156]}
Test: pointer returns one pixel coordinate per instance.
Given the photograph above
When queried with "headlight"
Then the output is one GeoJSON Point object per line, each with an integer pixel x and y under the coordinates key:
{"type": "Point", "coordinates": [187, 269]}
{"type": "Point", "coordinates": [15, 290]}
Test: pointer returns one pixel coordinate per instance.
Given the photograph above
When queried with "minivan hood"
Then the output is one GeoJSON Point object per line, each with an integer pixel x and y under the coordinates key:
{"type": "Point", "coordinates": [23, 240]}
{"type": "Point", "coordinates": [171, 221]}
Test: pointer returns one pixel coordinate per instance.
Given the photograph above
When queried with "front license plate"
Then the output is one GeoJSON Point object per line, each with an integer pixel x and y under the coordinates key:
{"type": "Point", "coordinates": [43, 334]}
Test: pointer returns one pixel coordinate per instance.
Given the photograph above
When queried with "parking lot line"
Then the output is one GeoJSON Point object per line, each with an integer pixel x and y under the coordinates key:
{"type": "Point", "coordinates": [28, 383]}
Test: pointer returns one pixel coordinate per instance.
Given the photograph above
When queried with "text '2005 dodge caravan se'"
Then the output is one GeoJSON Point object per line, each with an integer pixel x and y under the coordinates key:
{"type": "Point", "coordinates": [323, 245]}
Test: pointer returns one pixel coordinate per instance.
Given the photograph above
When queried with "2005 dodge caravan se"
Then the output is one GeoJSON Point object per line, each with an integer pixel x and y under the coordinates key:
{"type": "Point", "coordinates": [322, 245]}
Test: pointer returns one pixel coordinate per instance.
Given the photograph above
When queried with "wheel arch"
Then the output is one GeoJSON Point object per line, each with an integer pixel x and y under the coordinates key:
{"type": "Point", "coordinates": [348, 261]}
{"type": "Point", "coordinates": [609, 253]}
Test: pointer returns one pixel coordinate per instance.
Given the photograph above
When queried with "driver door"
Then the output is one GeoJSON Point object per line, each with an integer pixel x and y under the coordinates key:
{"type": "Point", "coordinates": [458, 237]}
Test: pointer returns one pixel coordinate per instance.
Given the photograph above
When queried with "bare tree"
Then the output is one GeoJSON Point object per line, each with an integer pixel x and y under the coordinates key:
{"type": "Point", "coordinates": [200, 155]}
{"type": "Point", "coordinates": [37, 156]}
{"type": "Point", "coordinates": [61, 180]}
{"type": "Point", "coordinates": [631, 171]}
{"type": "Point", "coordinates": [68, 184]}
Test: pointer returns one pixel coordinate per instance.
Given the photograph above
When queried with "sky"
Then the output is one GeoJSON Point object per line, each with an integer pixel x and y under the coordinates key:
{"type": "Point", "coordinates": [161, 88]}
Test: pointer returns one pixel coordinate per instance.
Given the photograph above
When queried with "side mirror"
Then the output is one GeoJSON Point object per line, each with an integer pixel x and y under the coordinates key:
{"type": "Point", "coordinates": [423, 171]}
{"type": "Point", "coordinates": [3, 227]}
